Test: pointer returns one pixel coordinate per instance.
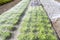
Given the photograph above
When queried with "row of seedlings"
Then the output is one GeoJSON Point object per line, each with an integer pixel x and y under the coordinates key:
{"type": "Point", "coordinates": [10, 18]}
{"type": "Point", "coordinates": [36, 26]}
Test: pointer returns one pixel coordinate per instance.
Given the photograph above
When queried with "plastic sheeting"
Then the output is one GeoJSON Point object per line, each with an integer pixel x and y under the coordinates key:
{"type": "Point", "coordinates": [53, 9]}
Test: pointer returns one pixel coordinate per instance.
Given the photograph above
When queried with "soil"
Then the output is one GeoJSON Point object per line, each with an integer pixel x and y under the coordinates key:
{"type": "Point", "coordinates": [7, 6]}
{"type": "Point", "coordinates": [57, 0]}
{"type": "Point", "coordinates": [56, 25]}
